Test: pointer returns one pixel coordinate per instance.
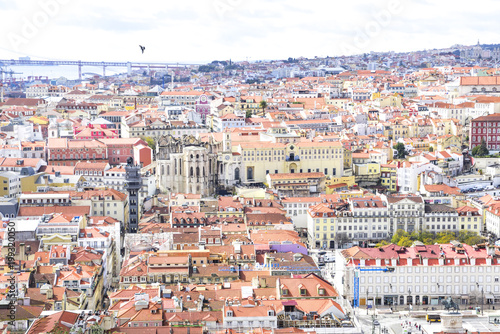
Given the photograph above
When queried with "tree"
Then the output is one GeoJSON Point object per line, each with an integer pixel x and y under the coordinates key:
{"type": "Point", "coordinates": [263, 105]}
{"type": "Point", "coordinates": [445, 237]}
{"type": "Point", "coordinates": [405, 242]}
{"type": "Point", "coordinates": [400, 147]}
{"type": "Point", "coordinates": [470, 237]}
{"type": "Point", "coordinates": [151, 142]}
{"type": "Point", "coordinates": [426, 237]}
{"type": "Point", "coordinates": [398, 235]}
{"type": "Point", "coordinates": [95, 329]}
{"type": "Point", "coordinates": [383, 243]}
{"type": "Point", "coordinates": [431, 149]}
{"type": "Point", "coordinates": [248, 113]}
{"type": "Point", "coordinates": [474, 240]}
{"type": "Point", "coordinates": [480, 150]}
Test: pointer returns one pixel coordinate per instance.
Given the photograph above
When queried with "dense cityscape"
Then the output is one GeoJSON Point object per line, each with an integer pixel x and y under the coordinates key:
{"type": "Point", "coordinates": [319, 195]}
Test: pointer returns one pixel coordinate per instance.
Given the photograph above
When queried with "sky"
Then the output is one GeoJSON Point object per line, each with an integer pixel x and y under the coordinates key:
{"type": "Point", "coordinates": [200, 31]}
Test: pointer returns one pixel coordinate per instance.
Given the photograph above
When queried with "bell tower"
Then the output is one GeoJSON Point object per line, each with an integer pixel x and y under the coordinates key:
{"type": "Point", "coordinates": [226, 142]}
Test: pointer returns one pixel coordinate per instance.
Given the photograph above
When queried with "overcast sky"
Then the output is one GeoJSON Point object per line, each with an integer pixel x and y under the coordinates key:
{"type": "Point", "coordinates": [206, 30]}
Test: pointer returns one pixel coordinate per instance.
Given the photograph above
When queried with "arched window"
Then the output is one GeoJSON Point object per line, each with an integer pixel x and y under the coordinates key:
{"type": "Point", "coordinates": [175, 166]}
{"type": "Point", "coordinates": [203, 171]}
{"type": "Point", "coordinates": [197, 171]}
{"type": "Point", "coordinates": [197, 156]}
{"type": "Point", "coordinates": [168, 169]}
{"type": "Point", "coordinates": [191, 171]}
{"type": "Point", "coordinates": [237, 174]}
{"type": "Point", "coordinates": [162, 170]}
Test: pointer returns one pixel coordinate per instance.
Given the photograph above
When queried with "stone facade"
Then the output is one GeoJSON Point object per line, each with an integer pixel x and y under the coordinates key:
{"type": "Point", "coordinates": [187, 165]}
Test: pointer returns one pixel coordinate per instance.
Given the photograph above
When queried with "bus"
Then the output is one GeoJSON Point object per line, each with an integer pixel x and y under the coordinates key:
{"type": "Point", "coordinates": [433, 318]}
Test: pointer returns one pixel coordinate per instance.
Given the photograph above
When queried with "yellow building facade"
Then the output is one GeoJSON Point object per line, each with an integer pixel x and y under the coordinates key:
{"type": "Point", "coordinates": [262, 158]}
{"type": "Point", "coordinates": [389, 177]}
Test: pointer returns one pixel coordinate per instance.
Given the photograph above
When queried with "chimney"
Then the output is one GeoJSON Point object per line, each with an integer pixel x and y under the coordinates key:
{"type": "Point", "coordinates": [79, 270]}
{"type": "Point", "coordinates": [22, 251]}
{"type": "Point", "coordinates": [50, 293]}
{"type": "Point", "coordinates": [255, 282]}
{"type": "Point", "coordinates": [491, 250]}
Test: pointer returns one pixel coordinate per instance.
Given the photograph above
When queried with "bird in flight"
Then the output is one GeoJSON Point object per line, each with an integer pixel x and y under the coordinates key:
{"type": "Point", "coordinates": [142, 48]}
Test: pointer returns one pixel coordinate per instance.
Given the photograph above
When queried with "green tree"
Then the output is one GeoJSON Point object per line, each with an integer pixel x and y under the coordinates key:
{"type": "Point", "coordinates": [470, 237]}
{"type": "Point", "coordinates": [398, 235]}
{"type": "Point", "coordinates": [405, 242]}
{"type": "Point", "coordinates": [383, 243]}
{"type": "Point", "coordinates": [445, 237]}
{"type": "Point", "coordinates": [480, 150]}
{"type": "Point", "coordinates": [431, 149]}
{"type": "Point", "coordinates": [263, 105]}
{"type": "Point", "coordinates": [426, 237]}
{"type": "Point", "coordinates": [474, 240]}
{"type": "Point", "coordinates": [400, 147]}
{"type": "Point", "coordinates": [95, 329]}
{"type": "Point", "coordinates": [248, 113]}
{"type": "Point", "coordinates": [151, 142]}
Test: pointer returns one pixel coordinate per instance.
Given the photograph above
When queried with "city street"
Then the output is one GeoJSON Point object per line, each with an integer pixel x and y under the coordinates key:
{"type": "Point", "coordinates": [397, 322]}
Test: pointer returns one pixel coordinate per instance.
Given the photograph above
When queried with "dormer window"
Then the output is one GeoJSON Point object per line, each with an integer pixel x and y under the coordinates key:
{"type": "Point", "coordinates": [321, 291]}
{"type": "Point", "coordinates": [270, 313]}
{"type": "Point", "coordinates": [303, 292]}
{"type": "Point", "coordinates": [229, 313]}
{"type": "Point", "coordinates": [284, 292]}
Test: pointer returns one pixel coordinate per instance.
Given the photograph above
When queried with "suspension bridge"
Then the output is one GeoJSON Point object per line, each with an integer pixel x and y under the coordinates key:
{"type": "Point", "coordinates": [103, 64]}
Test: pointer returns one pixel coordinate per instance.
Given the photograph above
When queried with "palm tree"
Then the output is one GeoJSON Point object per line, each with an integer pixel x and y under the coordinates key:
{"type": "Point", "coordinates": [263, 106]}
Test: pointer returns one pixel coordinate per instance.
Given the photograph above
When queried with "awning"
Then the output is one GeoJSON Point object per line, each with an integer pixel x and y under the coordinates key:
{"type": "Point", "coordinates": [289, 303]}
{"type": "Point", "coordinates": [489, 296]}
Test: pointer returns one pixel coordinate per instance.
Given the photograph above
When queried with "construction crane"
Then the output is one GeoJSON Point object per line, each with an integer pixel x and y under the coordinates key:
{"type": "Point", "coordinates": [357, 271]}
{"type": "Point", "coordinates": [2, 73]}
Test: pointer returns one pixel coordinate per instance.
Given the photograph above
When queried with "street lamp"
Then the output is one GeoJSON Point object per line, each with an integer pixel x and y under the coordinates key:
{"type": "Point", "coordinates": [409, 298]}
{"type": "Point", "coordinates": [482, 298]}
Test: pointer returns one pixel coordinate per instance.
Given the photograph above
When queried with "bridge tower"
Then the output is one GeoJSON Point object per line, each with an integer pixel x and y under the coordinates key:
{"type": "Point", "coordinates": [80, 70]}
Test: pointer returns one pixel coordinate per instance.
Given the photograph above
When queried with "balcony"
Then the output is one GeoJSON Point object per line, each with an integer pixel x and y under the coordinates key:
{"type": "Point", "coordinates": [292, 158]}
